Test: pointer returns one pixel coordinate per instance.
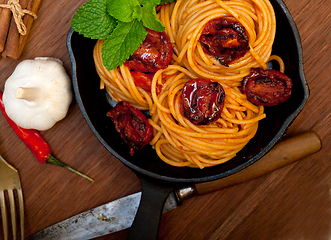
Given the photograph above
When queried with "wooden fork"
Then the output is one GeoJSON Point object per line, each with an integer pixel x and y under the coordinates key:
{"type": "Point", "coordinates": [9, 182]}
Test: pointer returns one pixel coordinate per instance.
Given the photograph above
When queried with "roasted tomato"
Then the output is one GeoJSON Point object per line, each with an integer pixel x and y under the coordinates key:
{"type": "Point", "coordinates": [144, 80]}
{"type": "Point", "coordinates": [224, 39]}
{"type": "Point", "coordinates": [153, 54]}
{"type": "Point", "coordinates": [202, 101]}
{"type": "Point", "coordinates": [266, 87]}
{"type": "Point", "coordinates": [132, 125]}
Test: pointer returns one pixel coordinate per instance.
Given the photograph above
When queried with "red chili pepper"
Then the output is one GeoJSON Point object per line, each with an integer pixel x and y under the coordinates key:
{"type": "Point", "coordinates": [35, 142]}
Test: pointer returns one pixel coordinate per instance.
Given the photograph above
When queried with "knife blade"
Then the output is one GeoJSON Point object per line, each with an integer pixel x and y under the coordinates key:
{"type": "Point", "coordinates": [119, 214]}
{"type": "Point", "coordinates": [108, 218]}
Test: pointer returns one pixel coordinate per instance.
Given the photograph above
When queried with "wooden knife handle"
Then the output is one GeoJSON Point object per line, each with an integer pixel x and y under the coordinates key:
{"type": "Point", "coordinates": [283, 153]}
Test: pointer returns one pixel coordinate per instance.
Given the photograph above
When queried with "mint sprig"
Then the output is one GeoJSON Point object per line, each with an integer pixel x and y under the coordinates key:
{"type": "Point", "coordinates": [121, 23]}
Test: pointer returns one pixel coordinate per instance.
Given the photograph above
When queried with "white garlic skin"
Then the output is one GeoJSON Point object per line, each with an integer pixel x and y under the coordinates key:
{"type": "Point", "coordinates": [52, 95]}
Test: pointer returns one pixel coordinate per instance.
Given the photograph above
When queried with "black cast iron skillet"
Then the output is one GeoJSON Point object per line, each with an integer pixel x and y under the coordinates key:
{"type": "Point", "coordinates": [157, 178]}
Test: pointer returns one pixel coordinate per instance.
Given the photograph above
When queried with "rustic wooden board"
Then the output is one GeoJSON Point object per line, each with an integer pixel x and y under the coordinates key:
{"type": "Point", "coordinates": [290, 203]}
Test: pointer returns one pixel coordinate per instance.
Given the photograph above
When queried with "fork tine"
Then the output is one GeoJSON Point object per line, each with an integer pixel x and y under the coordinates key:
{"type": "Point", "coordinates": [4, 215]}
{"type": "Point", "coordinates": [12, 212]}
{"type": "Point", "coordinates": [21, 206]}
{"type": "Point", "coordinates": [10, 181]}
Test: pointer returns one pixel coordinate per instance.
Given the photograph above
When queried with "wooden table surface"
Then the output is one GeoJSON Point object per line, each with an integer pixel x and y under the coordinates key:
{"type": "Point", "coordinates": [290, 203]}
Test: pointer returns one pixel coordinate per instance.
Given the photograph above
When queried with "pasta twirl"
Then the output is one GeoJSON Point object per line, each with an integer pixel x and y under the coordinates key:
{"type": "Point", "coordinates": [203, 145]}
{"type": "Point", "coordinates": [188, 18]}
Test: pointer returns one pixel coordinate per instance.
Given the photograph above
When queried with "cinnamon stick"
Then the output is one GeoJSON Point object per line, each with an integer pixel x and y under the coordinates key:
{"type": "Point", "coordinates": [15, 41]}
{"type": "Point", "coordinates": [11, 47]}
{"type": "Point", "coordinates": [5, 16]}
{"type": "Point", "coordinates": [33, 6]}
{"type": "Point", "coordinates": [12, 40]}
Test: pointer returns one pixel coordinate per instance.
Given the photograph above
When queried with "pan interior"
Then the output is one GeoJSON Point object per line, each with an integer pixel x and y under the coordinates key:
{"type": "Point", "coordinates": [94, 105]}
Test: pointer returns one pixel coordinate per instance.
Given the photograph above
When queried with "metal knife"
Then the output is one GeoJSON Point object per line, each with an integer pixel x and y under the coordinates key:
{"type": "Point", "coordinates": [119, 214]}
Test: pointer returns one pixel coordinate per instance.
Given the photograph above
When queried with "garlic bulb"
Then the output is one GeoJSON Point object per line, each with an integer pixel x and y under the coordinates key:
{"type": "Point", "coordinates": [38, 93]}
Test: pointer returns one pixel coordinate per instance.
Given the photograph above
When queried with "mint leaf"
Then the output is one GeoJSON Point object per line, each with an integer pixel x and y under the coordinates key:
{"type": "Point", "coordinates": [150, 19]}
{"type": "Point", "coordinates": [120, 45]}
{"type": "Point", "coordinates": [137, 13]}
{"type": "Point", "coordinates": [123, 10]}
{"type": "Point", "coordinates": [93, 21]}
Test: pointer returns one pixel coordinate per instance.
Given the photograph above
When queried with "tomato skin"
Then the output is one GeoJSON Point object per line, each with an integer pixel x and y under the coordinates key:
{"type": "Point", "coordinates": [132, 125]}
{"type": "Point", "coordinates": [224, 39]}
{"type": "Point", "coordinates": [202, 101]}
{"type": "Point", "coordinates": [153, 54]}
{"type": "Point", "coordinates": [267, 87]}
{"type": "Point", "coordinates": [144, 80]}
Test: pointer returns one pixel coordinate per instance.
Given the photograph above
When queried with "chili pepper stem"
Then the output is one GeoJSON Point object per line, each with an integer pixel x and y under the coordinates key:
{"type": "Point", "coordinates": [53, 160]}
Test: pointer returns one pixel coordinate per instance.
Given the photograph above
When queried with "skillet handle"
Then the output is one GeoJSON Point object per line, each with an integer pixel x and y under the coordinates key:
{"type": "Point", "coordinates": [147, 220]}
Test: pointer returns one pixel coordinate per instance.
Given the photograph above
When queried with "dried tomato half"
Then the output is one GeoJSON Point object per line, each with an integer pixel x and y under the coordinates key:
{"type": "Point", "coordinates": [224, 39]}
{"type": "Point", "coordinates": [202, 101]}
{"type": "Point", "coordinates": [144, 80]}
{"type": "Point", "coordinates": [132, 125]}
{"type": "Point", "coordinates": [267, 87]}
{"type": "Point", "coordinates": [153, 54]}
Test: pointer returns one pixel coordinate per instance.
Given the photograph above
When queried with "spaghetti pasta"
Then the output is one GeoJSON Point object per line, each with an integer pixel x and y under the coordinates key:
{"type": "Point", "coordinates": [177, 141]}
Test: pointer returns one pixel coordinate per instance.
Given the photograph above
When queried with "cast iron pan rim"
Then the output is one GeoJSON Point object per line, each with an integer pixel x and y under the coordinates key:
{"type": "Point", "coordinates": [281, 133]}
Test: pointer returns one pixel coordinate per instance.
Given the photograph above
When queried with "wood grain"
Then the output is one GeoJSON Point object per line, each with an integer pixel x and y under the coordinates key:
{"type": "Point", "coordinates": [290, 203]}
